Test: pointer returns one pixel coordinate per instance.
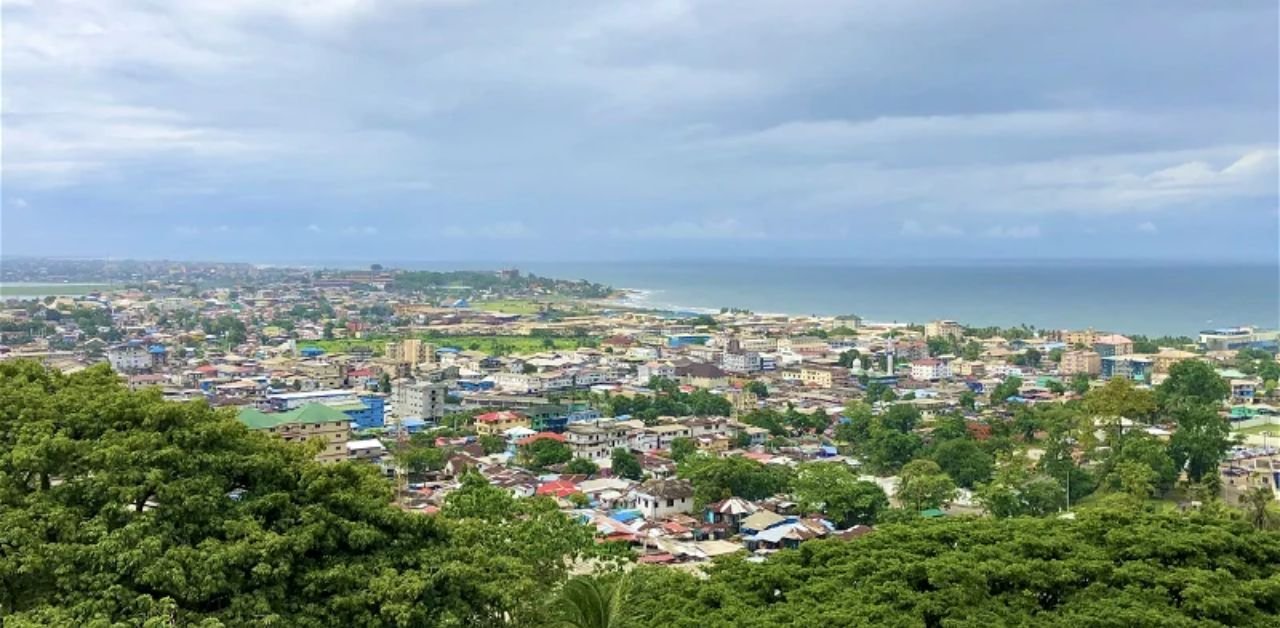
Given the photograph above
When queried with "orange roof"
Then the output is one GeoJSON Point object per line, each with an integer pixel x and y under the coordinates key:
{"type": "Point", "coordinates": [559, 488]}
{"type": "Point", "coordinates": [503, 416]}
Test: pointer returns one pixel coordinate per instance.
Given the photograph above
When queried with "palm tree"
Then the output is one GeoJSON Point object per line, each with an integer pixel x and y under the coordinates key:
{"type": "Point", "coordinates": [590, 602]}
{"type": "Point", "coordinates": [1257, 501]}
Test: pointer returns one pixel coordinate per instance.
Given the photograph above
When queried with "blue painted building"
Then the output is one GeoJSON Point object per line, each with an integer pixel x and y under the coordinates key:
{"type": "Point", "coordinates": [685, 340]}
{"type": "Point", "coordinates": [1134, 367]}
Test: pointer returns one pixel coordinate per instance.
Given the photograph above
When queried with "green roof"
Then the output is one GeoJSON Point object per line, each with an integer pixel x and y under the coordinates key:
{"type": "Point", "coordinates": [932, 513]}
{"type": "Point", "coordinates": [310, 413]}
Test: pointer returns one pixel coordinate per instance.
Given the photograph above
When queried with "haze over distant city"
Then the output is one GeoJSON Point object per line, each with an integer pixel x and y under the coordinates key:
{"type": "Point", "coordinates": [448, 129]}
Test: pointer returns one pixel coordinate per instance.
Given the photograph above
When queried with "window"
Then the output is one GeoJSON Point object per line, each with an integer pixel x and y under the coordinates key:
{"type": "Point", "coordinates": [670, 503]}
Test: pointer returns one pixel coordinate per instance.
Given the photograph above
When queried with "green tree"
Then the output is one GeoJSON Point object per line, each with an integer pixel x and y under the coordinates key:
{"type": "Point", "coordinates": [1257, 505]}
{"type": "Point", "coordinates": [492, 444]}
{"type": "Point", "coordinates": [384, 384]}
{"type": "Point", "coordinates": [682, 448]}
{"type": "Point", "coordinates": [1194, 382]}
{"type": "Point", "coordinates": [1056, 387]}
{"type": "Point", "coordinates": [625, 464]}
{"type": "Point", "coordinates": [1200, 440]}
{"type": "Point", "coordinates": [968, 400]}
{"type": "Point", "coordinates": [1016, 491]}
{"type": "Point", "coordinates": [593, 602]}
{"type": "Point", "coordinates": [1141, 448]}
{"type": "Point", "coordinates": [923, 485]}
{"type": "Point", "coordinates": [1006, 389]}
{"type": "Point", "coordinates": [1118, 398]}
{"type": "Point", "coordinates": [545, 452]}
{"type": "Point", "coordinates": [717, 478]}
{"type": "Point", "coordinates": [964, 461]}
{"type": "Point", "coordinates": [849, 359]}
{"type": "Point", "coordinates": [581, 466]}
{"type": "Point", "coordinates": [1080, 383]}
{"type": "Point", "coordinates": [836, 491]}
{"type": "Point", "coordinates": [758, 388]}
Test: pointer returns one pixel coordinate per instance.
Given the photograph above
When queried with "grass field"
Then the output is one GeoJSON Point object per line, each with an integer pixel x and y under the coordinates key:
{"type": "Point", "coordinates": [488, 344]}
{"type": "Point", "coordinates": [51, 289]}
{"type": "Point", "coordinates": [1258, 429]}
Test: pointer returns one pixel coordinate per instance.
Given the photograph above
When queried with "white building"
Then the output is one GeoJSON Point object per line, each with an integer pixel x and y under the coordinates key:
{"type": "Point", "coordinates": [741, 362]}
{"type": "Point", "coordinates": [129, 357]}
{"type": "Point", "coordinates": [517, 382]}
{"type": "Point", "coordinates": [930, 369]}
{"type": "Point", "coordinates": [663, 498]}
{"type": "Point", "coordinates": [655, 369]}
{"type": "Point", "coordinates": [424, 400]}
{"type": "Point", "coordinates": [596, 440]}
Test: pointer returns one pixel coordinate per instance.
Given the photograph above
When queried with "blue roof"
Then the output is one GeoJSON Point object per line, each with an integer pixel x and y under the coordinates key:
{"type": "Point", "coordinates": [156, 349]}
{"type": "Point", "coordinates": [626, 516]}
{"type": "Point", "coordinates": [412, 422]}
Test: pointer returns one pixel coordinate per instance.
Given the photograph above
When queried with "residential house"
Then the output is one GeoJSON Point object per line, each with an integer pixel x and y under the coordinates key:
{"type": "Point", "coordinates": [497, 423]}
{"type": "Point", "coordinates": [661, 498]}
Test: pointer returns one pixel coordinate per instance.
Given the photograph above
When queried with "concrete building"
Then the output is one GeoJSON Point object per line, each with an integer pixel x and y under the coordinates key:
{"type": "Point", "coordinates": [424, 400]}
{"type": "Point", "coordinates": [596, 440]}
{"type": "Point", "coordinates": [1084, 338]}
{"type": "Point", "coordinates": [314, 421]}
{"type": "Point", "coordinates": [662, 498]}
{"type": "Point", "coordinates": [741, 362]}
{"type": "Point", "coordinates": [1112, 345]}
{"type": "Point", "coordinates": [930, 369]}
{"type": "Point", "coordinates": [1236, 338]}
{"type": "Point", "coordinates": [410, 351]}
{"type": "Point", "coordinates": [943, 329]}
{"type": "Point", "coordinates": [1166, 358]}
{"type": "Point", "coordinates": [817, 376]}
{"type": "Point", "coordinates": [497, 423]}
{"type": "Point", "coordinates": [130, 357]}
{"type": "Point", "coordinates": [1136, 367]}
{"type": "Point", "coordinates": [1087, 362]}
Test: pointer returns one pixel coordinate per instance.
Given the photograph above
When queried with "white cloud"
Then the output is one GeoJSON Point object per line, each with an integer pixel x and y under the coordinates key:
{"type": "Point", "coordinates": [1013, 233]}
{"type": "Point", "coordinates": [1147, 227]}
{"type": "Point", "coordinates": [361, 231]}
{"type": "Point", "coordinates": [917, 229]}
{"type": "Point", "coordinates": [313, 228]}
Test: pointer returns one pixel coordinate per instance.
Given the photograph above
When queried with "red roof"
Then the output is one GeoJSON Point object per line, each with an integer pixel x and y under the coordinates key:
{"type": "Point", "coordinates": [503, 416]}
{"type": "Point", "coordinates": [539, 436]}
{"type": "Point", "coordinates": [559, 488]}
{"type": "Point", "coordinates": [361, 373]}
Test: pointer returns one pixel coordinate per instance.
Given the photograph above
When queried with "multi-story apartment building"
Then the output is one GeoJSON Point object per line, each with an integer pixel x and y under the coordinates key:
{"type": "Point", "coordinates": [1112, 345]}
{"type": "Point", "coordinates": [1166, 358]}
{"type": "Point", "coordinates": [314, 421]}
{"type": "Point", "coordinates": [596, 440]}
{"type": "Point", "coordinates": [740, 361]}
{"type": "Point", "coordinates": [817, 376]}
{"type": "Point", "coordinates": [1087, 362]}
{"type": "Point", "coordinates": [943, 329]}
{"type": "Point", "coordinates": [424, 400]}
{"type": "Point", "coordinates": [1083, 338]}
{"type": "Point", "coordinates": [930, 369]}
{"type": "Point", "coordinates": [410, 351]}
{"type": "Point", "coordinates": [1135, 367]}
{"type": "Point", "coordinates": [129, 357]}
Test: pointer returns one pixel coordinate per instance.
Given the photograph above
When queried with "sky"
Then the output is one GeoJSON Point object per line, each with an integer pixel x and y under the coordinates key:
{"type": "Point", "coordinates": [584, 130]}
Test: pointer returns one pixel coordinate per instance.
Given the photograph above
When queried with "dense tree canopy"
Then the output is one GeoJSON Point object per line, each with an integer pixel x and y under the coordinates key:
{"type": "Point", "coordinates": [717, 478]}
{"type": "Point", "coordinates": [116, 506]}
{"type": "Point", "coordinates": [1106, 568]}
{"type": "Point", "coordinates": [836, 491]}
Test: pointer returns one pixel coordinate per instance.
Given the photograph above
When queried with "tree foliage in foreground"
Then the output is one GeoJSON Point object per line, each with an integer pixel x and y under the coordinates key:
{"type": "Point", "coordinates": [118, 507]}
{"type": "Point", "coordinates": [1107, 568]}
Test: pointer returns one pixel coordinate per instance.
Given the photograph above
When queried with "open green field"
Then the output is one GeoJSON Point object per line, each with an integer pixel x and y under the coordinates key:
{"type": "Point", "coordinates": [487, 344]}
{"type": "Point", "coordinates": [1258, 429]}
{"type": "Point", "coordinates": [51, 289]}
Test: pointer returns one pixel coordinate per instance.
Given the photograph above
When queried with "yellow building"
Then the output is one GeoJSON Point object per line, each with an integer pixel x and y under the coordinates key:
{"type": "Point", "coordinates": [496, 423]}
{"type": "Point", "coordinates": [819, 377]}
{"type": "Point", "coordinates": [943, 329]}
{"type": "Point", "coordinates": [1087, 362]}
{"type": "Point", "coordinates": [1168, 357]}
{"type": "Point", "coordinates": [314, 421]}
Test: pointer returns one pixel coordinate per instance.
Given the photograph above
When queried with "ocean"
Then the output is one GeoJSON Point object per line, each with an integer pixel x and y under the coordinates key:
{"type": "Point", "coordinates": [1151, 298]}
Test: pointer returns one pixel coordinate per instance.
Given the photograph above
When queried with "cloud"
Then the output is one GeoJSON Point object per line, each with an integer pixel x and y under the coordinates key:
{"type": "Point", "coordinates": [313, 228]}
{"type": "Point", "coordinates": [1147, 227]}
{"type": "Point", "coordinates": [1013, 233]}
{"type": "Point", "coordinates": [918, 229]}
{"type": "Point", "coordinates": [632, 126]}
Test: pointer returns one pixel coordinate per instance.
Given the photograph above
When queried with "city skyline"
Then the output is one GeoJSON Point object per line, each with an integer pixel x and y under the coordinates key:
{"type": "Point", "coordinates": [473, 131]}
